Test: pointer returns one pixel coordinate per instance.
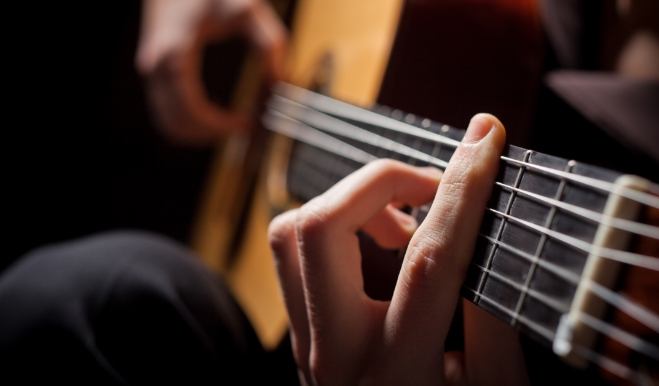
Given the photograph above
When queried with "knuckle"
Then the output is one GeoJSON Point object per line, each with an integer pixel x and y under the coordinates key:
{"type": "Point", "coordinates": [311, 222]}
{"type": "Point", "coordinates": [423, 260]}
{"type": "Point", "coordinates": [385, 169]}
{"type": "Point", "coordinates": [280, 231]}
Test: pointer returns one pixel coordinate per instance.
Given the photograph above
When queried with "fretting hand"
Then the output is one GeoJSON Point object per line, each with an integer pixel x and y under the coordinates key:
{"type": "Point", "coordinates": [340, 335]}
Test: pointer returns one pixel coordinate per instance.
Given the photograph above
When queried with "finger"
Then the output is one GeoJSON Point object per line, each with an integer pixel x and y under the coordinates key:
{"type": "Point", "coordinates": [283, 242]}
{"type": "Point", "coordinates": [169, 56]}
{"type": "Point", "coordinates": [329, 251]}
{"type": "Point", "coordinates": [437, 258]}
{"type": "Point", "coordinates": [180, 103]}
{"type": "Point", "coordinates": [392, 228]}
{"type": "Point", "coordinates": [166, 26]}
{"type": "Point", "coordinates": [268, 35]}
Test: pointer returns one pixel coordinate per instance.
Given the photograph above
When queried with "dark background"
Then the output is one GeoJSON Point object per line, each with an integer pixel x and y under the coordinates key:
{"type": "Point", "coordinates": [84, 155]}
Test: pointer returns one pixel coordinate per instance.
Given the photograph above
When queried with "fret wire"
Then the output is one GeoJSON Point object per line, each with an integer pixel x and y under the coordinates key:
{"type": "Point", "coordinates": [621, 256]}
{"type": "Point", "coordinates": [596, 217]}
{"type": "Point", "coordinates": [634, 310]}
{"type": "Point", "coordinates": [490, 257]}
{"type": "Point", "coordinates": [628, 339]}
{"type": "Point", "coordinates": [562, 273]}
{"type": "Point", "coordinates": [541, 244]}
{"type": "Point", "coordinates": [634, 195]}
{"type": "Point", "coordinates": [547, 300]}
{"type": "Point", "coordinates": [323, 103]}
{"type": "Point", "coordinates": [535, 327]}
{"type": "Point", "coordinates": [598, 359]}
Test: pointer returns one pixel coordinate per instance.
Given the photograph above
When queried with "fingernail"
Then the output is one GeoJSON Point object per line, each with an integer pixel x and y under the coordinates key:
{"type": "Point", "coordinates": [478, 128]}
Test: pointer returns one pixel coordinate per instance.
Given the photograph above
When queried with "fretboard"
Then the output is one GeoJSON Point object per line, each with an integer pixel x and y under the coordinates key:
{"type": "Point", "coordinates": [529, 257]}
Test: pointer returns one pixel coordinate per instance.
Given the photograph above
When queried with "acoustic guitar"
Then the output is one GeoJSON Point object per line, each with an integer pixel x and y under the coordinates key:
{"type": "Point", "coordinates": [568, 253]}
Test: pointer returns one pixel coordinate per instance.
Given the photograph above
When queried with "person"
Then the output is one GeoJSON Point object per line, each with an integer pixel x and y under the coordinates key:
{"type": "Point", "coordinates": [135, 308]}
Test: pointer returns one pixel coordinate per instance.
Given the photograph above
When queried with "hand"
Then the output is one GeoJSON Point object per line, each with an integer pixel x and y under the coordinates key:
{"type": "Point", "coordinates": [341, 336]}
{"type": "Point", "coordinates": [173, 35]}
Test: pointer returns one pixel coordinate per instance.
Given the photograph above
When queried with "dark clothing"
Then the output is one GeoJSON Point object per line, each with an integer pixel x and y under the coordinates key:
{"type": "Point", "coordinates": [128, 308]}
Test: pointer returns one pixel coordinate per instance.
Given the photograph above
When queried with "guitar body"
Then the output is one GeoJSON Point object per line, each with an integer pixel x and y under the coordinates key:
{"type": "Point", "coordinates": [356, 38]}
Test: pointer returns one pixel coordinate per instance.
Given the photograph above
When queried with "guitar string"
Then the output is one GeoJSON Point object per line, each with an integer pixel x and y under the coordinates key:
{"type": "Point", "coordinates": [600, 360]}
{"type": "Point", "coordinates": [624, 257]}
{"type": "Point", "coordinates": [347, 130]}
{"type": "Point", "coordinates": [626, 338]}
{"type": "Point", "coordinates": [636, 311]}
{"type": "Point", "coordinates": [338, 127]}
{"type": "Point", "coordinates": [596, 217]}
{"type": "Point", "coordinates": [635, 259]}
{"type": "Point", "coordinates": [625, 305]}
{"type": "Point", "coordinates": [614, 367]}
{"type": "Point", "coordinates": [339, 108]}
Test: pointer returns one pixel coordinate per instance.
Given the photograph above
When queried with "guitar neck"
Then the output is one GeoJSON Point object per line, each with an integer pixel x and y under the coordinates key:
{"type": "Point", "coordinates": [543, 217]}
